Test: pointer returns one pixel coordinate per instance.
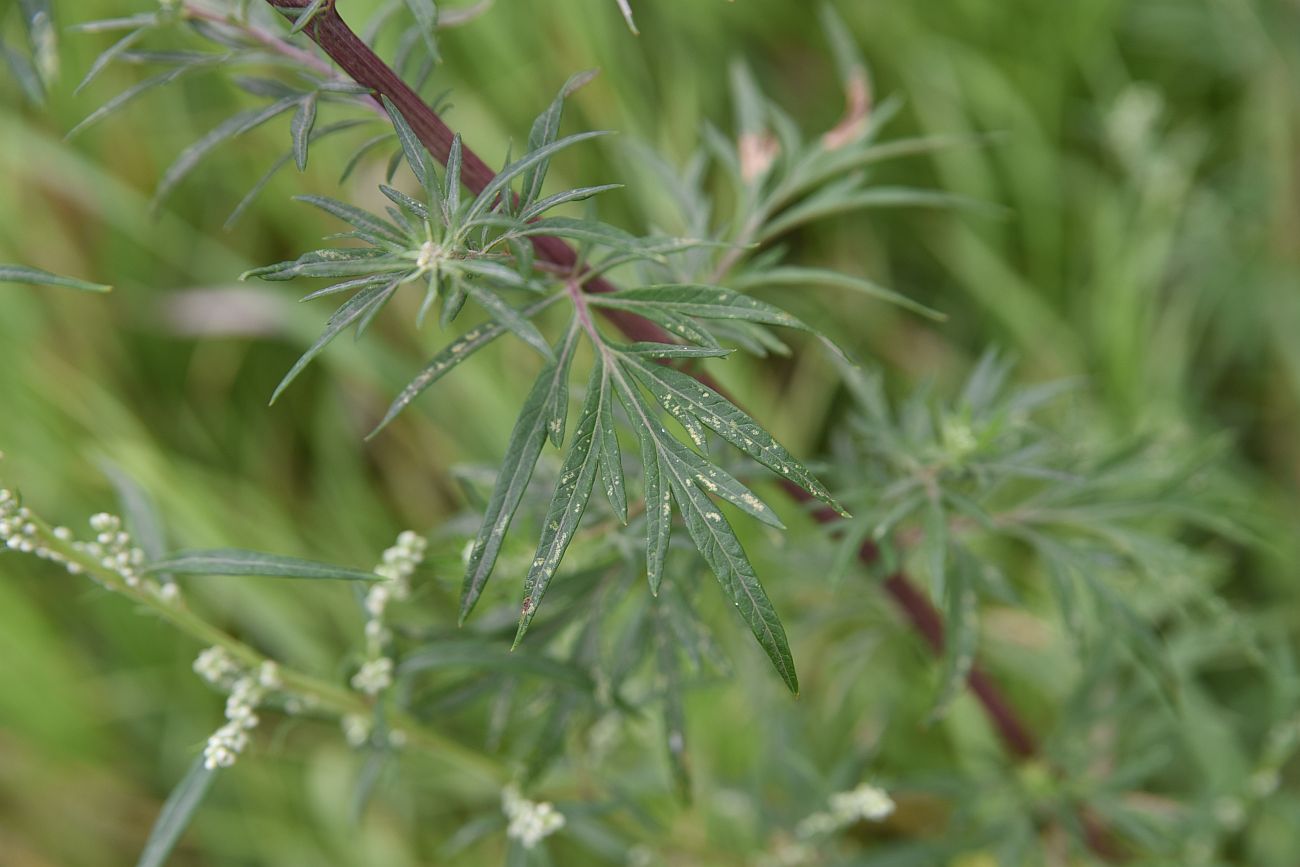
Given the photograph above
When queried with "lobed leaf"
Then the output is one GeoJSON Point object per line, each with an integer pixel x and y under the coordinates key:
{"type": "Point", "coordinates": [678, 392]}
{"type": "Point", "coordinates": [572, 493]}
{"type": "Point", "coordinates": [356, 307]}
{"type": "Point", "coordinates": [525, 447]}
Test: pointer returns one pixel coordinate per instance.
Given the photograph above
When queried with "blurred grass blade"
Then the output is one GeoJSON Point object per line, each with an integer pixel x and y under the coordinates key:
{"type": "Point", "coordinates": [176, 814]}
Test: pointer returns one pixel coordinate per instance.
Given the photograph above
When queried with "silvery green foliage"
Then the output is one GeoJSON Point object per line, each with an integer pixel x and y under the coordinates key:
{"type": "Point", "coordinates": [967, 491]}
{"type": "Point", "coordinates": [455, 249]}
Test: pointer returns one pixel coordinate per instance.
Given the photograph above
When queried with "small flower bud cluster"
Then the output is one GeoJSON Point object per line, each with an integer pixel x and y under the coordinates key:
{"type": "Point", "coordinates": [112, 547]}
{"type": "Point", "coordinates": [216, 666]}
{"type": "Point", "coordinates": [247, 691]}
{"type": "Point", "coordinates": [374, 676]}
{"type": "Point", "coordinates": [530, 821]}
{"type": "Point", "coordinates": [866, 802]}
{"type": "Point", "coordinates": [20, 532]}
{"type": "Point", "coordinates": [17, 532]}
{"type": "Point", "coordinates": [398, 564]}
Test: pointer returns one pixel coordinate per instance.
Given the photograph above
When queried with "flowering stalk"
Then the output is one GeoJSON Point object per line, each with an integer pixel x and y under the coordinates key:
{"type": "Point", "coordinates": [110, 561]}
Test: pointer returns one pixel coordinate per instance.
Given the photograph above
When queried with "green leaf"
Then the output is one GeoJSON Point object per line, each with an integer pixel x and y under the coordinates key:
{"type": "Point", "coordinates": [303, 122]}
{"type": "Point", "coordinates": [575, 195]}
{"type": "Point", "coordinates": [451, 189]}
{"type": "Point", "coordinates": [452, 355]}
{"type": "Point", "coordinates": [658, 509]}
{"type": "Point", "coordinates": [678, 392]}
{"type": "Point", "coordinates": [411, 145]}
{"type": "Point", "coordinates": [373, 228]}
{"type": "Point", "coordinates": [570, 500]}
{"type": "Point", "coordinates": [611, 459]}
{"type": "Point", "coordinates": [663, 303]}
{"type": "Point", "coordinates": [672, 350]}
{"type": "Point", "coordinates": [23, 70]}
{"type": "Point", "coordinates": [934, 546]}
{"type": "Point", "coordinates": [482, 656]}
{"type": "Point", "coordinates": [280, 163]}
{"type": "Point", "coordinates": [37, 277]}
{"type": "Point", "coordinates": [961, 634]}
{"type": "Point", "coordinates": [140, 89]}
{"type": "Point", "coordinates": [352, 310]}
{"type": "Point", "coordinates": [585, 232]}
{"type": "Point", "coordinates": [308, 13]}
{"type": "Point", "coordinates": [796, 277]}
{"type": "Point", "coordinates": [140, 511]}
{"type": "Point", "coordinates": [425, 13]}
{"type": "Point", "coordinates": [499, 184]}
{"type": "Point", "coordinates": [704, 302]}
{"type": "Point", "coordinates": [402, 200]}
{"type": "Point", "coordinates": [233, 561]}
{"type": "Point", "coordinates": [234, 126]}
{"type": "Point", "coordinates": [713, 535]}
{"type": "Point", "coordinates": [176, 814]}
{"type": "Point", "coordinates": [525, 447]}
{"type": "Point", "coordinates": [109, 55]}
{"type": "Point", "coordinates": [674, 712]}
{"type": "Point", "coordinates": [344, 262]}
{"type": "Point", "coordinates": [545, 130]}
{"type": "Point", "coordinates": [508, 317]}
{"type": "Point", "coordinates": [834, 201]}
{"type": "Point", "coordinates": [557, 408]}
{"type": "Point", "coordinates": [716, 541]}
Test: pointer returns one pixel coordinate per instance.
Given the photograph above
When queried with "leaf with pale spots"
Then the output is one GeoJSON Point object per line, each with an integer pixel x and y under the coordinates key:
{"type": "Point", "coordinates": [671, 466]}
{"type": "Point", "coordinates": [611, 458]}
{"type": "Point", "coordinates": [572, 492]}
{"type": "Point", "coordinates": [694, 301]}
{"type": "Point", "coordinates": [658, 510]}
{"type": "Point", "coordinates": [452, 355]}
{"type": "Point", "coordinates": [525, 447]}
{"type": "Point", "coordinates": [679, 393]}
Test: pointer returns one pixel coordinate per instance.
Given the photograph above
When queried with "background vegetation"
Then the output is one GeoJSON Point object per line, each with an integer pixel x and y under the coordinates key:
{"type": "Point", "coordinates": [1146, 155]}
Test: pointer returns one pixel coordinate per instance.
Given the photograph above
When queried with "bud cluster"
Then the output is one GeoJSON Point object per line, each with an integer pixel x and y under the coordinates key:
{"type": "Point", "coordinates": [397, 565]}
{"type": "Point", "coordinates": [866, 802]}
{"type": "Point", "coordinates": [529, 821]}
{"type": "Point", "coordinates": [112, 547]}
{"type": "Point", "coordinates": [247, 691]}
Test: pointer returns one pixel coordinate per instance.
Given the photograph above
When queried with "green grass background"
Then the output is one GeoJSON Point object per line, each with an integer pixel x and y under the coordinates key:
{"type": "Point", "coordinates": [1146, 153]}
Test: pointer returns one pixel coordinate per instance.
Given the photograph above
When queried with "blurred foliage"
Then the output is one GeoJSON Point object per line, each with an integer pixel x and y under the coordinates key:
{"type": "Point", "coordinates": [1144, 153]}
